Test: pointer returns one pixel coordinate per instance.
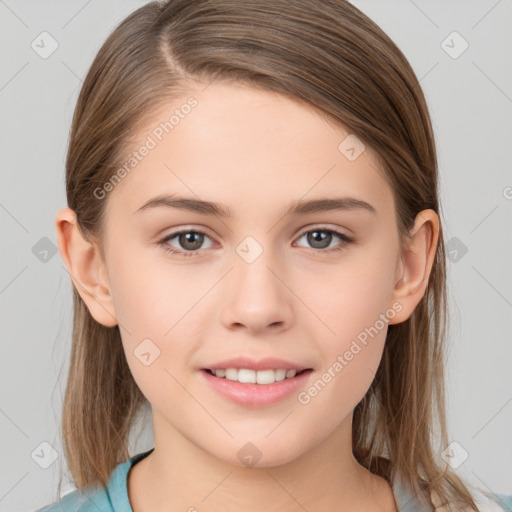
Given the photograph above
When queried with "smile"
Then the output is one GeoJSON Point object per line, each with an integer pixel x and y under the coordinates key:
{"type": "Point", "coordinates": [246, 375]}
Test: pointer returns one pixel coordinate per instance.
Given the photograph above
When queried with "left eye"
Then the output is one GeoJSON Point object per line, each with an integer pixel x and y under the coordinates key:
{"type": "Point", "coordinates": [316, 236]}
{"type": "Point", "coordinates": [192, 240]}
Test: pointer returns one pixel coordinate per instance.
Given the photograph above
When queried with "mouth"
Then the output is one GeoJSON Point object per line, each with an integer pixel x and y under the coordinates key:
{"type": "Point", "coordinates": [256, 383]}
{"type": "Point", "coordinates": [250, 376]}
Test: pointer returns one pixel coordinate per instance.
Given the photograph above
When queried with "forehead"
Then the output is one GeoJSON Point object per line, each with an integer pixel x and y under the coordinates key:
{"type": "Point", "coordinates": [246, 148]}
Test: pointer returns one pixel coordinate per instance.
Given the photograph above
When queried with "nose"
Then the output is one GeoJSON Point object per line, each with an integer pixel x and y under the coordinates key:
{"type": "Point", "coordinates": [257, 296]}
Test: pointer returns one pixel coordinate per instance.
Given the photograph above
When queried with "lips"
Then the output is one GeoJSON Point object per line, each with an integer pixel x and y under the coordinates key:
{"type": "Point", "coordinates": [250, 371]}
{"type": "Point", "coordinates": [259, 394]}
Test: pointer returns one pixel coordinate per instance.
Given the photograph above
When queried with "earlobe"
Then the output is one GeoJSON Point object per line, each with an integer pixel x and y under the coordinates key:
{"type": "Point", "coordinates": [415, 265]}
{"type": "Point", "coordinates": [86, 268]}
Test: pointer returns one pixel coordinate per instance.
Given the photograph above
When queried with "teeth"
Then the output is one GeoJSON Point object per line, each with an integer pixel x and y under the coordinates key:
{"type": "Point", "coordinates": [252, 376]}
{"type": "Point", "coordinates": [231, 373]}
{"type": "Point", "coordinates": [280, 375]}
{"type": "Point", "coordinates": [248, 376]}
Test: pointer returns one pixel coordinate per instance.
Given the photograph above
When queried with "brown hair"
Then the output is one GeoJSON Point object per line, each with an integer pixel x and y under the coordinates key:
{"type": "Point", "coordinates": [326, 54]}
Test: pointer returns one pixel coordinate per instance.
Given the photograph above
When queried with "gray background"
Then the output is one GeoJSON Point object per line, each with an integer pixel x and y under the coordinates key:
{"type": "Point", "coordinates": [470, 98]}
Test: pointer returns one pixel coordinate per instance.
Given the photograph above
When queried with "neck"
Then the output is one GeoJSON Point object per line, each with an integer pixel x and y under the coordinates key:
{"type": "Point", "coordinates": [179, 475]}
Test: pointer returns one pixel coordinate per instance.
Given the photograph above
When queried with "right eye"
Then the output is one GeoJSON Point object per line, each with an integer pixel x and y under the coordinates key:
{"type": "Point", "coordinates": [190, 239]}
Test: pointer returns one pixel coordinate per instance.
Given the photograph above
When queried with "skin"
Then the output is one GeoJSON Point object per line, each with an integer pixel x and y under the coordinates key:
{"type": "Point", "coordinates": [295, 301]}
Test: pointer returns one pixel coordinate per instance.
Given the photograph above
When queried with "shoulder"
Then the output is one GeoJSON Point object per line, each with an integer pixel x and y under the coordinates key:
{"type": "Point", "coordinates": [484, 500]}
{"type": "Point", "coordinates": [491, 502]}
{"type": "Point", "coordinates": [93, 499]}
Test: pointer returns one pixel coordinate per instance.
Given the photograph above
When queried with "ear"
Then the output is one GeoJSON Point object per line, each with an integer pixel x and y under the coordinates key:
{"type": "Point", "coordinates": [86, 268]}
{"type": "Point", "coordinates": [415, 264]}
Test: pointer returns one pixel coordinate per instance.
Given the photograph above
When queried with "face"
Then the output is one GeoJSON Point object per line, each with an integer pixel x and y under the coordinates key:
{"type": "Point", "coordinates": [192, 288]}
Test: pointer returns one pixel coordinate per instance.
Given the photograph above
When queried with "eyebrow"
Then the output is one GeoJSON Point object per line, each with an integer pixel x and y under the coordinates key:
{"type": "Point", "coordinates": [299, 207]}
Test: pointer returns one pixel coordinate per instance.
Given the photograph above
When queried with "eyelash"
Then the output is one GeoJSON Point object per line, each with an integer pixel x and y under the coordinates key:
{"type": "Point", "coordinates": [163, 243]}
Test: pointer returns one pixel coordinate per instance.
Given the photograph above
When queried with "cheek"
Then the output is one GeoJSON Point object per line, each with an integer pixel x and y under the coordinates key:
{"type": "Point", "coordinates": [342, 383]}
{"type": "Point", "coordinates": [354, 306]}
{"type": "Point", "coordinates": [353, 295]}
{"type": "Point", "coordinates": [350, 359]}
{"type": "Point", "coordinates": [158, 309]}
{"type": "Point", "coordinates": [150, 295]}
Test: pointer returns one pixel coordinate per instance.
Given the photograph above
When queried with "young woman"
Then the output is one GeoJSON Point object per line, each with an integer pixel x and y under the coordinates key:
{"type": "Point", "coordinates": [253, 233]}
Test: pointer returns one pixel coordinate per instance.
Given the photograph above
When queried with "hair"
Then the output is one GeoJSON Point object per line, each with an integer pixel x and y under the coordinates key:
{"type": "Point", "coordinates": [326, 54]}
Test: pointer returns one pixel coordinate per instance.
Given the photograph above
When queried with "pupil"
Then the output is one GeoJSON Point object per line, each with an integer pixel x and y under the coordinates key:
{"type": "Point", "coordinates": [319, 236]}
{"type": "Point", "coordinates": [188, 238]}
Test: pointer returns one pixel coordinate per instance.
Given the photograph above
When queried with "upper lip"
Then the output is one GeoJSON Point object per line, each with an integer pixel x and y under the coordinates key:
{"type": "Point", "coordinates": [267, 363]}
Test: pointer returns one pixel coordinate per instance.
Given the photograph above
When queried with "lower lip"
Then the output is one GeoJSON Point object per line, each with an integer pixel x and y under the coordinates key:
{"type": "Point", "coordinates": [256, 395]}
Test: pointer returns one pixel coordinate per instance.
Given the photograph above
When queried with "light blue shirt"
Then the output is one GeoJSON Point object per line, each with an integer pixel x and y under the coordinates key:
{"type": "Point", "coordinates": [114, 498]}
